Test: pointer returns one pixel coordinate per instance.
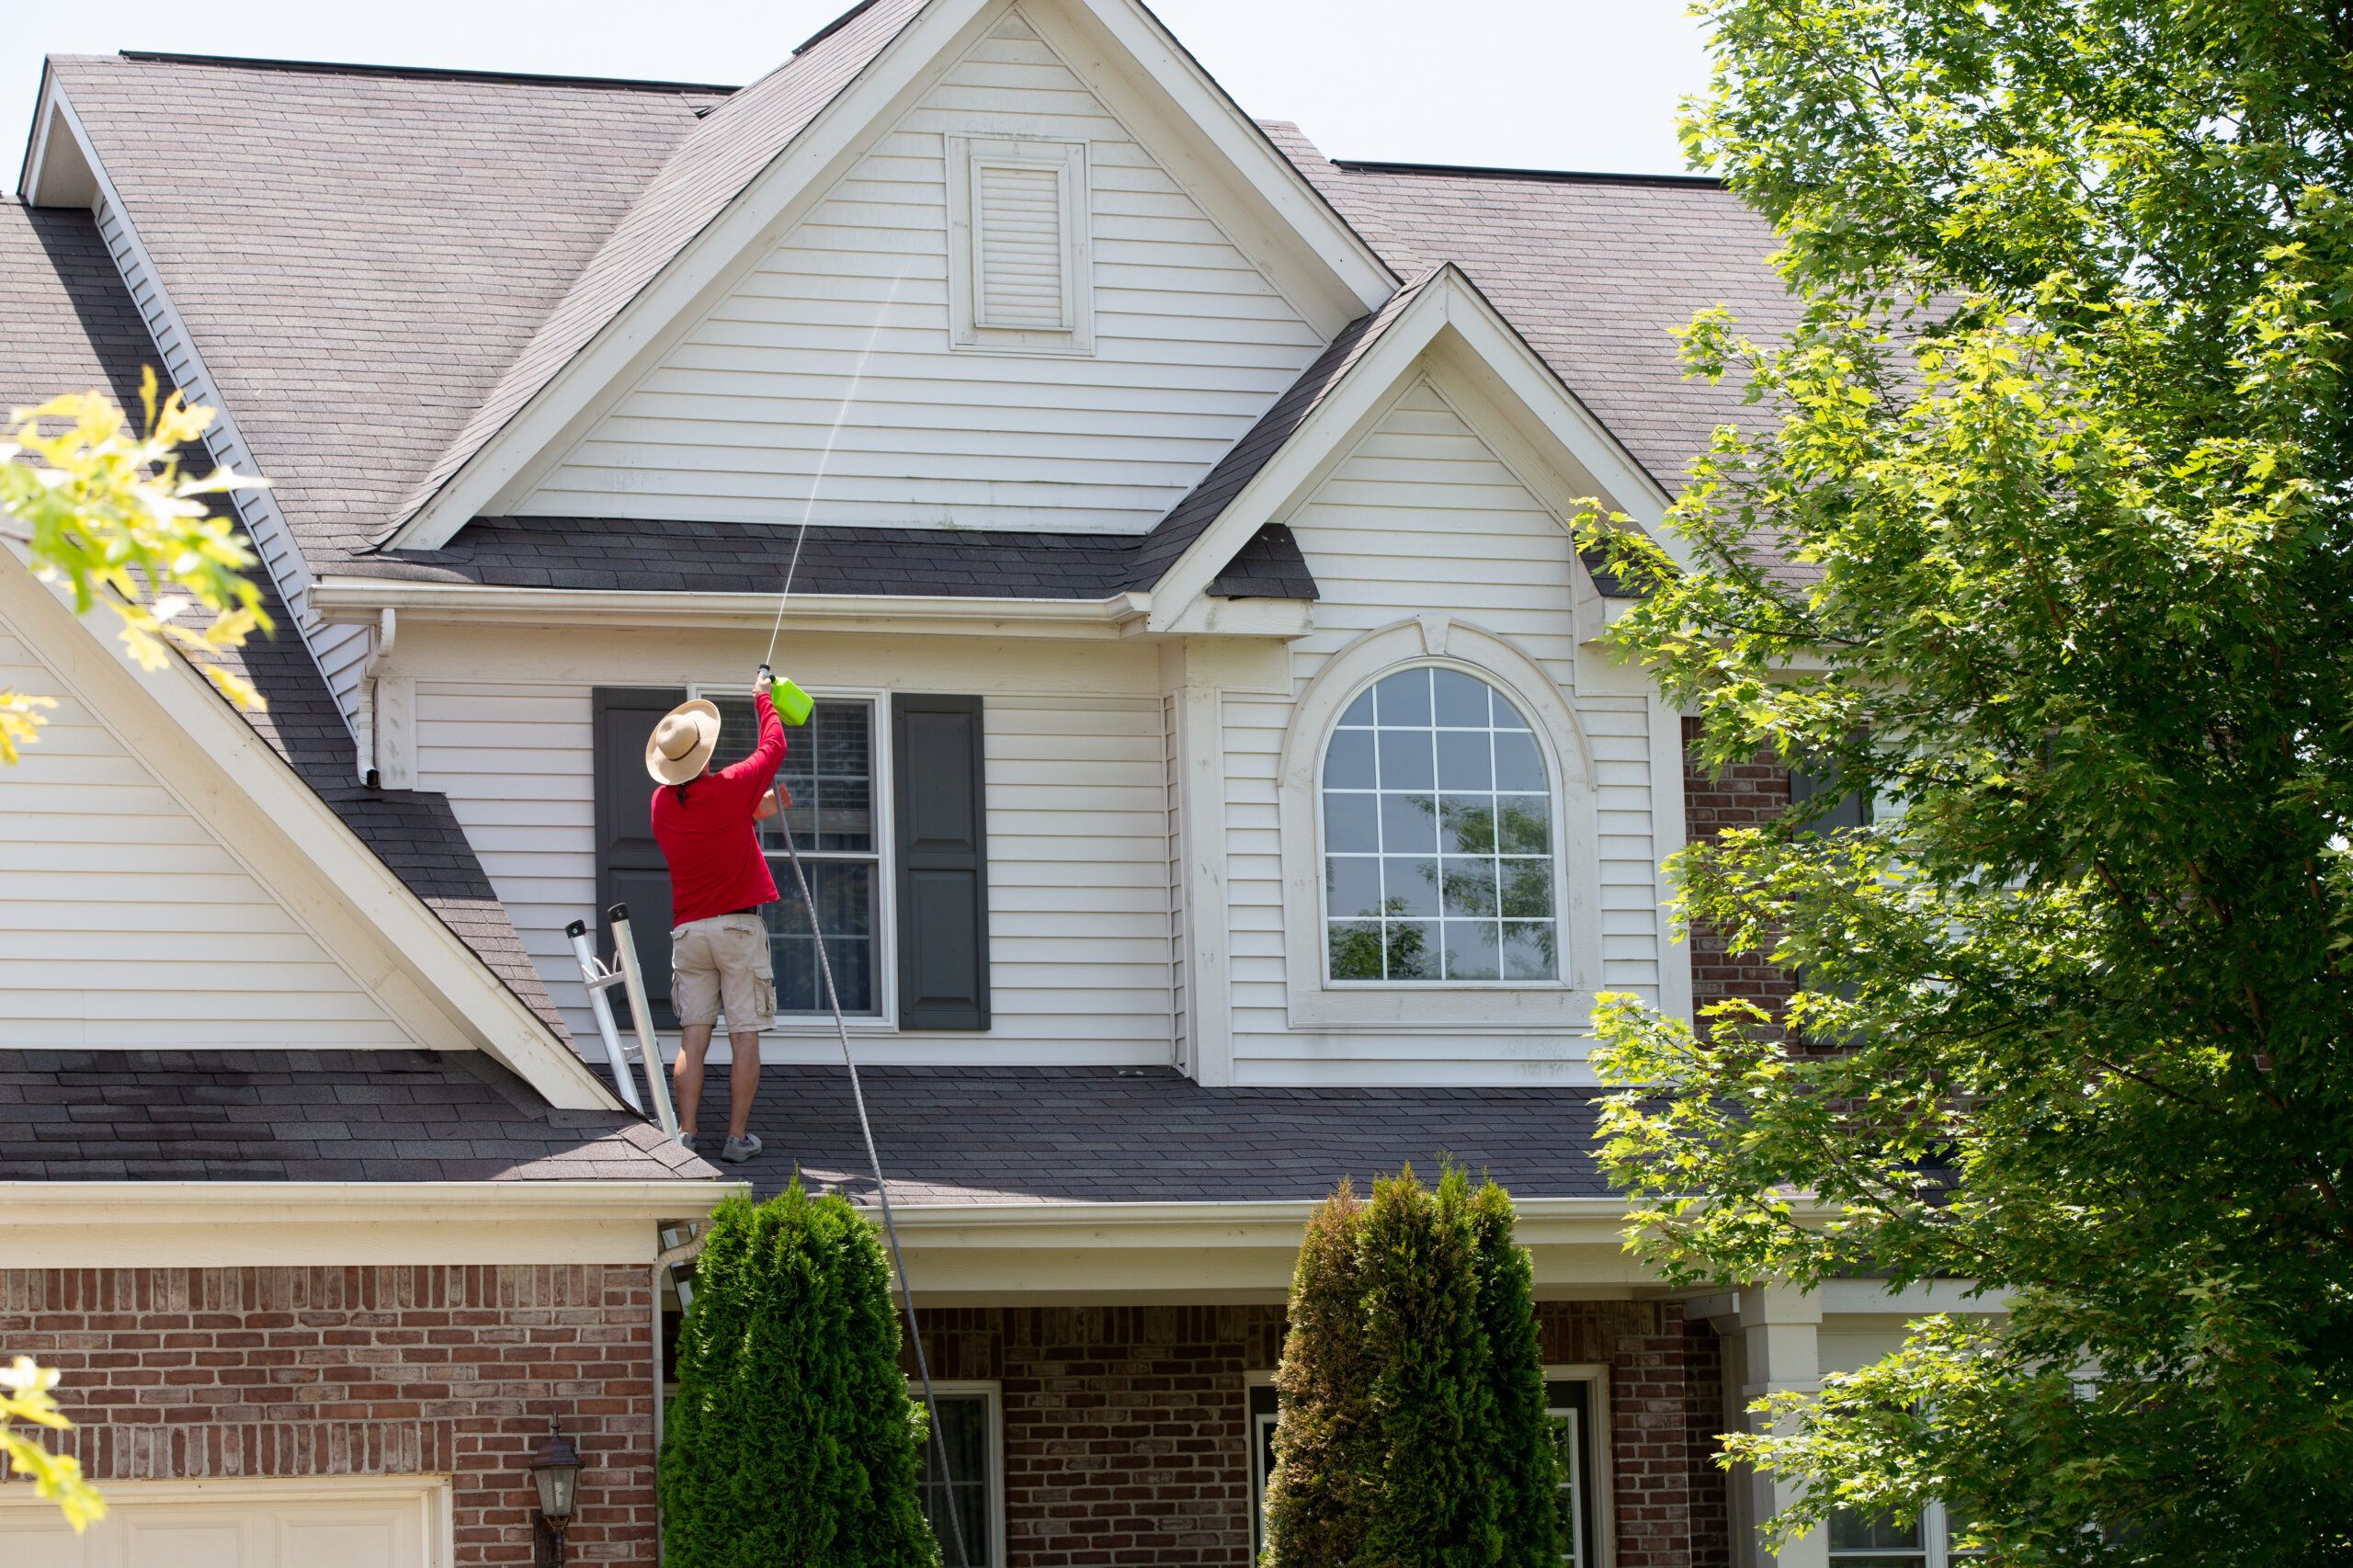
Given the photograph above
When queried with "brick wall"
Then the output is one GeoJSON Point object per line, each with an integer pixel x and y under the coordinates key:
{"type": "Point", "coordinates": [181, 1373]}
{"type": "Point", "coordinates": [1126, 1439]}
{"type": "Point", "coordinates": [1125, 1434]}
{"type": "Point", "coordinates": [1747, 795]}
{"type": "Point", "coordinates": [1665, 1405]}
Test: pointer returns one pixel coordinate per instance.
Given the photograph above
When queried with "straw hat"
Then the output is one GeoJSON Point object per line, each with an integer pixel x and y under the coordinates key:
{"type": "Point", "coordinates": [682, 743]}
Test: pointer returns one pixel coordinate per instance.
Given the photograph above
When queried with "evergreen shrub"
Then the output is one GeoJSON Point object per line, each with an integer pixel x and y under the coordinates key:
{"type": "Point", "coordinates": [792, 1440]}
{"type": "Point", "coordinates": [1413, 1430]}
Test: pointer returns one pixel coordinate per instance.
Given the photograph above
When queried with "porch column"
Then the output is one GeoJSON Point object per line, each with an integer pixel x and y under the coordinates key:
{"type": "Point", "coordinates": [1774, 1332]}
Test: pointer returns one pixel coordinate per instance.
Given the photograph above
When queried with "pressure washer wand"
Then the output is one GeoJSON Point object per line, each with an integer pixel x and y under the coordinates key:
{"type": "Point", "coordinates": [873, 1158]}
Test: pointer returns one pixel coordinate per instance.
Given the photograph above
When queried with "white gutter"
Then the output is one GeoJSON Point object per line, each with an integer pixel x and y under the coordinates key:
{"type": "Point", "coordinates": [363, 599]}
{"type": "Point", "coordinates": [220, 1224]}
{"type": "Point", "coordinates": [33, 1204]}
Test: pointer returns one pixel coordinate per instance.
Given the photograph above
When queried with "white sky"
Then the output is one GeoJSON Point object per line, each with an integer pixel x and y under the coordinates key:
{"type": "Point", "coordinates": [1529, 84]}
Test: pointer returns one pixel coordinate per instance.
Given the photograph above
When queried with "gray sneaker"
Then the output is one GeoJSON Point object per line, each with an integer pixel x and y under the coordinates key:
{"type": "Point", "coordinates": [738, 1150]}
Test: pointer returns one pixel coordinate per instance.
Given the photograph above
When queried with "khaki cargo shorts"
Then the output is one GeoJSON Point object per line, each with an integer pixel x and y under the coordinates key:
{"type": "Point", "coordinates": [724, 962]}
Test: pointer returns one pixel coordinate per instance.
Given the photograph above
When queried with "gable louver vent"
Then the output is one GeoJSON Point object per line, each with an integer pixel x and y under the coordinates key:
{"type": "Point", "coordinates": [1018, 245]}
{"type": "Point", "coordinates": [1023, 281]}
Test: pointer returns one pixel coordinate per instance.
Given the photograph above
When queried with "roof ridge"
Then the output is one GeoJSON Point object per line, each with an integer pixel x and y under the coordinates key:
{"type": "Point", "coordinates": [1482, 171]}
{"type": "Point", "coordinates": [429, 72]}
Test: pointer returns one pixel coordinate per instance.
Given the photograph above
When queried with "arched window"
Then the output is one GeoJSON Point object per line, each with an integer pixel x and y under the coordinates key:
{"type": "Point", "coordinates": [1437, 836]}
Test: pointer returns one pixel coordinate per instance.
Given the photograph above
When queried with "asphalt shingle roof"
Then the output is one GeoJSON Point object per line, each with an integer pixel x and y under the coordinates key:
{"type": "Point", "coordinates": [381, 266]}
{"type": "Point", "coordinates": [307, 1116]}
{"type": "Point", "coordinates": [68, 325]}
{"type": "Point", "coordinates": [360, 255]}
{"type": "Point", "coordinates": [1595, 270]}
{"type": "Point", "coordinates": [1135, 1135]}
{"type": "Point", "coordinates": [708, 168]}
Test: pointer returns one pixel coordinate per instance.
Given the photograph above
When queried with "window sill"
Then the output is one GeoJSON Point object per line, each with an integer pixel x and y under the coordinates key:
{"type": "Point", "coordinates": [1464, 1005]}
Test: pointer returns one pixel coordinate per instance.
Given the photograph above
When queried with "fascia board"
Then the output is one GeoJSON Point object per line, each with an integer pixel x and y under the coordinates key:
{"type": "Point", "coordinates": [37, 143]}
{"type": "Point", "coordinates": [419, 949]}
{"type": "Point", "coordinates": [1294, 202]}
{"type": "Point", "coordinates": [26, 1203]}
{"type": "Point", "coordinates": [363, 598]}
{"type": "Point", "coordinates": [102, 1225]}
{"type": "Point", "coordinates": [1541, 1220]}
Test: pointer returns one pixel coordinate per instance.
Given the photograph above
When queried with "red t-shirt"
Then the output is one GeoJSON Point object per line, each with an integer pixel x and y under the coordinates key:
{"type": "Point", "coordinates": [710, 840]}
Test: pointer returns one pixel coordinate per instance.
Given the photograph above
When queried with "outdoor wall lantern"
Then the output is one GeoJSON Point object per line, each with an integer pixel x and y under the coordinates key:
{"type": "Point", "coordinates": [556, 1469]}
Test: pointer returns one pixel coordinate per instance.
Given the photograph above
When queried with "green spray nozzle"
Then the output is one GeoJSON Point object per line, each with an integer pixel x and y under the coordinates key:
{"type": "Point", "coordinates": [792, 704]}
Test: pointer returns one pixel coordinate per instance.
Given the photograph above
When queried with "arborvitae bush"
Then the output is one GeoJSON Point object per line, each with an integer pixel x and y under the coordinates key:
{"type": "Point", "coordinates": [1520, 1458]}
{"type": "Point", "coordinates": [1412, 1431]}
{"type": "Point", "coordinates": [1318, 1500]}
{"type": "Point", "coordinates": [792, 1440]}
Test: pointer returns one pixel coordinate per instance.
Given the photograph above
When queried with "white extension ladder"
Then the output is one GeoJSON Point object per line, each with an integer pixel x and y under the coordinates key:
{"type": "Point", "coordinates": [600, 977]}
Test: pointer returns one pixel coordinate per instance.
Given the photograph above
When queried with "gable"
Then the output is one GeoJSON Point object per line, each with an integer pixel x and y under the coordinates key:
{"type": "Point", "coordinates": [869, 310]}
{"type": "Point", "coordinates": [127, 921]}
{"type": "Point", "coordinates": [1424, 515]}
{"type": "Point", "coordinates": [1440, 323]}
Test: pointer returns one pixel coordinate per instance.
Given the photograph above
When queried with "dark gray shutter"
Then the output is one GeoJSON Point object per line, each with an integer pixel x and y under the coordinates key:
{"type": "Point", "coordinates": [629, 868]}
{"type": "Point", "coordinates": [940, 837]}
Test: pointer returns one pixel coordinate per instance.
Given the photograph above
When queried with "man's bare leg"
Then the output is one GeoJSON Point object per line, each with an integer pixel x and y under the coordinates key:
{"type": "Point", "coordinates": [743, 1079]}
{"type": "Point", "coordinates": [685, 1074]}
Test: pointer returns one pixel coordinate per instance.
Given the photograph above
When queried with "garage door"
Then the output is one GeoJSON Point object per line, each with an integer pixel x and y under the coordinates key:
{"type": "Point", "coordinates": [399, 1524]}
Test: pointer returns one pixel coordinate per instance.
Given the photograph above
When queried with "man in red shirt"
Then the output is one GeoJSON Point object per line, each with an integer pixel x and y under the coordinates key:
{"type": "Point", "coordinates": [706, 824]}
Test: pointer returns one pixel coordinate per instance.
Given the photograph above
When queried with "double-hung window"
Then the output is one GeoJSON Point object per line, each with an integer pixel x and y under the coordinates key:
{"type": "Point", "coordinates": [968, 1430]}
{"type": "Point", "coordinates": [833, 771]}
{"type": "Point", "coordinates": [1570, 1401]}
{"type": "Point", "coordinates": [1876, 1540]}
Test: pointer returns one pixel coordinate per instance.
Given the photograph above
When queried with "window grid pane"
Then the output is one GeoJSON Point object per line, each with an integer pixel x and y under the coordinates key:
{"type": "Point", "coordinates": [829, 772]}
{"type": "Point", "coordinates": [1438, 848]}
{"type": "Point", "coordinates": [964, 1431]}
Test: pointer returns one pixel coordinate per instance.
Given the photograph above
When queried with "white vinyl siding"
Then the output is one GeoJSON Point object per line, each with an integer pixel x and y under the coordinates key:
{"type": "Point", "coordinates": [1078, 862]}
{"type": "Point", "coordinates": [1192, 344]}
{"type": "Point", "coordinates": [125, 923]}
{"type": "Point", "coordinates": [1423, 516]}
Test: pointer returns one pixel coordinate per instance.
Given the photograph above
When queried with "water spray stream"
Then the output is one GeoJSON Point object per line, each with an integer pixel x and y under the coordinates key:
{"type": "Point", "coordinates": [824, 964]}
{"type": "Point", "coordinates": [825, 458]}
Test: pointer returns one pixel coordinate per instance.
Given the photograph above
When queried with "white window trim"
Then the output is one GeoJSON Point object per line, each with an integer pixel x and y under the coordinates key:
{"type": "Point", "coordinates": [1259, 1476]}
{"type": "Point", "coordinates": [1551, 1005]}
{"type": "Point", "coordinates": [1604, 1498]}
{"type": "Point", "coordinates": [1068, 159]}
{"type": "Point", "coordinates": [993, 1392]}
{"type": "Point", "coordinates": [1605, 1490]}
{"type": "Point", "coordinates": [884, 1019]}
{"type": "Point", "coordinates": [1936, 1544]}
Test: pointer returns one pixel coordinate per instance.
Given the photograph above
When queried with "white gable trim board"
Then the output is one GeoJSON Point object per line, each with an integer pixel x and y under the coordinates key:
{"type": "Point", "coordinates": [340, 652]}
{"type": "Point", "coordinates": [1221, 161]}
{"type": "Point", "coordinates": [1450, 323]}
{"type": "Point", "coordinates": [851, 374]}
{"type": "Point", "coordinates": [222, 774]}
